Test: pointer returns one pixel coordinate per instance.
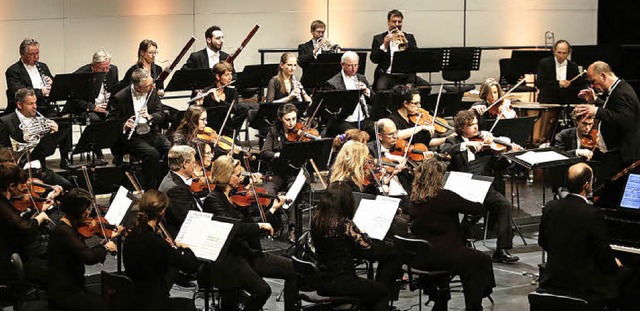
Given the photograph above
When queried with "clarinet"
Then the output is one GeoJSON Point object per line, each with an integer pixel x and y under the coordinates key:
{"type": "Point", "coordinates": [293, 86]}
{"type": "Point", "coordinates": [44, 83]}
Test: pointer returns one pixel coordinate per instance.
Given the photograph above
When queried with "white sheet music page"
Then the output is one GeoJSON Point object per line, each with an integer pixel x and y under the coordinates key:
{"type": "Point", "coordinates": [292, 194]}
{"type": "Point", "coordinates": [204, 236]}
{"type": "Point", "coordinates": [534, 158]}
{"type": "Point", "coordinates": [466, 186]}
{"type": "Point", "coordinates": [119, 207]}
{"type": "Point", "coordinates": [374, 217]}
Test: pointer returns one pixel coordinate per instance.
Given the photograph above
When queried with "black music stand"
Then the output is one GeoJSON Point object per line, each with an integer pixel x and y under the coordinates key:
{"type": "Point", "coordinates": [268, 113]}
{"type": "Point", "coordinates": [415, 61]}
{"type": "Point", "coordinates": [450, 103]}
{"type": "Point", "coordinates": [518, 129]}
{"type": "Point", "coordinates": [75, 86]}
{"type": "Point", "coordinates": [316, 74]}
{"type": "Point", "coordinates": [336, 58]}
{"type": "Point", "coordinates": [336, 105]}
{"type": "Point", "coordinates": [99, 135]}
{"type": "Point", "coordinates": [463, 58]}
{"type": "Point", "coordinates": [256, 77]}
{"type": "Point", "coordinates": [526, 61]}
{"type": "Point", "coordinates": [190, 80]}
{"type": "Point", "coordinates": [215, 116]}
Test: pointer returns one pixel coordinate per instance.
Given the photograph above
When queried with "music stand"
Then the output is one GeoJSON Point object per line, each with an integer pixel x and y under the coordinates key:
{"type": "Point", "coordinates": [466, 58]}
{"type": "Point", "coordinates": [415, 61]}
{"type": "Point", "coordinates": [256, 76]}
{"type": "Point", "coordinates": [190, 79]}
{"type": "Point", "coordinates": [298, 154]}
{"type": "Point", "coordinates": [316, 74]}
{"type": "Point", "coordinates": [518, 129]}
{"type": "Point", "coordinates": [336, 58]}
{"type": "Point", "coordinates": [99, 135]}
{"type": "Point", "coordinates": [268, 113]}
{"type": "Point", "coordinates": [450, 103]}
{"type": "Point", "coordinates": [526, 61]}
{"type": "Point", "coordinates": [75, 86]}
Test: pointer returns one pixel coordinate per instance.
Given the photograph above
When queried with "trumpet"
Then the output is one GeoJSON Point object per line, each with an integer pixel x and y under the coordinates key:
{"type": "Point", "coordinates": [326, 46]}
{"type": "Point", "coordinates": [399, 39]}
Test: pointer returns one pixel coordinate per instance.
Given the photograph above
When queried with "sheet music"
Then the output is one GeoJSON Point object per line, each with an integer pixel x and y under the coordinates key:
{"type": "Point", "coordinates": [474, 190]}
{"type": "Point", "coordinates": [534, 158]}
{"type": "Point", "coordinates": [292, 194]}
{"type": "Point", "coordinates": [119, 207]}
{"type": "Point", "coordinates": [395, 188]}
{"type": "Point", "coordinates": [204, 236]}
{"type": "Point", "coordinates": [374, 217]}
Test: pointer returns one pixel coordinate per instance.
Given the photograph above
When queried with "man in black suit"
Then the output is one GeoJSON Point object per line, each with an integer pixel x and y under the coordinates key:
{"type": "Point", "coordinates": [555, 74]}
{"type": "Point", "coordinates": [468, 156]}
{"type": "Point", "coordinates": [309, 50]}
{"type": "Point", "coordinates": [349, 79]}
{"type": "Point", "coordinates": [573, 233]}
{"type": "Point", "coordinates": [43, 144]}
{"type": "Point", "coordinates": [151, 146]}
{"type": "Point", "coordinates": [618, 116]}
{"type": "Point", "coordinates": [28, 72]}
{"type": "Point", "coordinates": [382, 49]}
{"type": "Point", "coordinates": [181, 160]}
{"type": "Point", "coordinates": [212, 54]}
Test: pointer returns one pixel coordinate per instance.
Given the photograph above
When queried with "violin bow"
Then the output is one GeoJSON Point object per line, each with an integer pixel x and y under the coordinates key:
{"type": "Point", "coordinates": [199, 145]}
{"type": "Point", "coordinates": [253, 183]}
{"type": "Point", "coordinates": [415, 126]}
{"type": "Point", "coordinates": [505, 94]}
{"type": "Point", "coordinates": [379, 149]}
{"type": "Point", "coordinates": [94, 205]}
{"type": "Point", "coordinates": [224, 123]}
{"type": "Point", "coordinates": [50, 223]}
{"type": "Point", "coordinates": [435, 112]}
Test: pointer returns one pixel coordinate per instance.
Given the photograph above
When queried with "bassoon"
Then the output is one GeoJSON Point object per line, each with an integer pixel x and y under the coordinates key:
{"type": "Point", "coordinates": [244, 43]}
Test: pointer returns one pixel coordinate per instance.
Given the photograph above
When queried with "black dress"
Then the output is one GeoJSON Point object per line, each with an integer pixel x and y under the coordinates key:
{"type": "Point", "coordinates": [274, 91]}
{"type": "Point", "coordinates": [147, 260]}
{"type": "Point", "coordinates": [68, 255]}
{"type": "Point", "coordinates": [215, 117]}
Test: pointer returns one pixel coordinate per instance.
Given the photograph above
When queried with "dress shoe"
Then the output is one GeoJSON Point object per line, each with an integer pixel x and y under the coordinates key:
{"type": "Point", "coordinates": [64, 163]}
{"type": "Point", "coordinates": [292, 235]}
{"type": "Point", "coordinates": [502, 256]}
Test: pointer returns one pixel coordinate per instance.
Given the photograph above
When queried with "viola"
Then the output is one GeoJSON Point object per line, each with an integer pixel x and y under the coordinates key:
{"type": "Point", "coordinates": [374, 173]}
{"type": "Point", "coordinates": [440, 124]}
{"type": "Point", "coordinates": [244, 197]}
{"type": "Point", "coordinates": [590, 140]}
{"type": "Point", "coordinates": [94, 226]}
{"type": "Point", "coordinates": [301, 132]}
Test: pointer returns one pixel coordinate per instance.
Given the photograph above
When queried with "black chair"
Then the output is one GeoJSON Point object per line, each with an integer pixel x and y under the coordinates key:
{"type": "Point", "coordinates": [434, 283]}
{"type": "Point", "coordinates": [546, 300]}
{"type": "Point", "coordinates": [457, 77]}
{"type": "Point", "coordinates": [117, 291]}
{"type": "Point", "coordinates": [308, 281]}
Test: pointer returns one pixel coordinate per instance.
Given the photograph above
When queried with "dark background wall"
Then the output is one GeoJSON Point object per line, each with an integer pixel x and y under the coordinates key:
{"type": "Point", "coordinates": [618, 22]}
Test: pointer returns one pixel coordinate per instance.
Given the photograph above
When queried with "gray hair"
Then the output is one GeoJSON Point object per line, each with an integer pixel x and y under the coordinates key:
{"type": "Point", "coordinates": [27, 42]}
{"type": "Point", "coordinates": [100, 57]}
{"type": "Point", "coordinates": [349, 55]}
{"type": "Point", "coordinates": [599, 67]}
{"type": "Point", "coordinates": [178, 154]}
{"type": "Point", "coordinates": [22, 93]}
{"type": "Point", "coordinates": [139, 75]}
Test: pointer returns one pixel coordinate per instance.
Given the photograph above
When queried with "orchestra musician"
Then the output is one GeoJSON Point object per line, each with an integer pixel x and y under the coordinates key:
{"type": "Point", "coordinates": [309, 50]}
{"type": "Point", "coordinates": [384, 46]}
{"type": "Point", "coordinates": [68, 255]}
{"type": "Point", "coordinates": [29, 72]}
{"type": "Point", "coordinates": [468, 156]}
{"type": "Point", "coordinates": [148, 258]}
{"type": "Point", "coordinates": [388, 137]}
{"type": "Point", "coordinates": [490, 92]}
{"type": "Point", "coordinates": [350, 134]}
{"type": "Point", "coordinates": [572, 139]}
{"type": "Point", "coordinates": [211, 54]}
{"type": "Point", "coordinates": [139, 100]}
{"type": "Point", "coordinates": [284, 88]}
{"type": "Point", "coordinates": [349, 79]}
{"type": "Point", "coordinates": [338, 241]}
{"type": "Point", "coordinates": [434, 217]}
{"type": "Point", "coordinates": [580, 260]}
{"type": "Point", "coordinates": [181, 161]}
{"type": "Point", "coordinates": [193, 122]}
{"type": "Point", "coordinates": [555, 74]}
{"type": "Point", "coordinates": [27, 114]}
{"type": "Point", "coordinates": [202, 170]}
{"type": "Point", "coordinates": [245, 264]}
{"type": "Point", "coordinates": [147, 51]}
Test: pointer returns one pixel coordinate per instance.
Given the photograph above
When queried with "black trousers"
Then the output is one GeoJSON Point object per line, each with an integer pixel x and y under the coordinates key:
{"type": "Point", "coordinates": [500, 218]}
{"type": "Point", "coordinates": [150, 148]}
{"type": "Point", "coordinates": [282, 183]}
{"type": "Point", "coordinates": [80, 300]}
{"type": "Point", "coordinates": [372, 294]}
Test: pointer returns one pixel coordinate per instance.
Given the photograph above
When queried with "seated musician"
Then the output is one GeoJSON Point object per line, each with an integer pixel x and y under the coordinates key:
{"type": "Point", "coordinates": [284, 88]}
{"type": "Point", "coordinates": [129, 104]}
{"type": "Point", "coordinates": [193, 122]}
{"type": "Point", "coordinates": [388, 137]}
{"type": "Point", "coordinates": [18, 234]}
{"type": "Point", "coordinates": [245, 264]}
{"type": "Point", "coordinates": [68, 255]}
{"type": "Point", "coordinates": [40, 141]}
{"type": "Point", "coordinates": [490, 92]}
{"type": "Point", "coordinates": [147, 51]}
{"type": "Point", "coordinates": [434, 217]}
{"type": "Point", "coordinates": [406, 100]}
{"type": "Point", "coordinates": [350, 134]}
{"type": "Point", "coordinates": [570, 140]}
{"type": "Point", "coordinates": [468, 156]}
{"type": "Point", "coordinates": [148, 258]}
{"type": "Point", "coordinates": [29, 72]}
{"type": "Point", "coordinates": [580, 260]}
{"type": "Point", "coordinates": [338, 241]}
{"type": "Point", "coordinates": [181, 161]}
{"type": "Point", "coordinates": [350, 79]}
{"type": "Point", "coordinates": [282, 173]}
{"type": "Point", "coordinates": [202, 169]}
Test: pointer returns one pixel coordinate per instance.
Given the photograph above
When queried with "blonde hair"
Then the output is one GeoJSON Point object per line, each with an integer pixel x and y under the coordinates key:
{"type": "Point", "coordinates": [350, 134]}
{"type": "Point", "coordinates": [428, 180]}
{"type": "Point", "coordinates": [349, 163]}
{"type": "Point", "coordinates": [222, 169]}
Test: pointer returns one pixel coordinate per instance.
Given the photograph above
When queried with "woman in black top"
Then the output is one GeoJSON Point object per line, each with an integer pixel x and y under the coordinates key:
{"type": "Point", "coordinates": [434, 217]}
{"type": "Point", "coordinates": [147, 51]}
{"type": "Point", "coordinates": [284, 88]}
{"type": "Point", "coordinates": [148, 258]}
{"type": "Point", "coordinates": [194, 121]}
{"type": "Point", "coordinates": [338, 241]}
{"type": "Point", "coordinates": [68, 255]}
{"type": "Point", "coordinates": [244, 264]}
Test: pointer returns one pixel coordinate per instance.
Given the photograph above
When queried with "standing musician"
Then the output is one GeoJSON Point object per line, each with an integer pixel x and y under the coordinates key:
{"type": "Point", "coordinates": [468, 156]}
{"type": "Point", "coordinates": [434, 217]}
{"type": "Point", "coordinates": [148, 258]}
{"type": "Point", "coordinates": [555, 75]}
{"type": "Point", "coordinates": [193, 122]}
{"type": "Point", "coordinates": [26, 115]}
{"type": "Point", "coordinates": [384, 46]}
{"type": "Point", "coordinates": [618, 116]}
{"type": "Point", "coordinates": [490, 92]}
{"type": "Point", "coordinates": [147, 51]}
{"type": "Point", "coordinates": [284, 88]}
{"type": "Point", "coordinates": [28, 72]}
{"type": "Point", "coordinates": [282, 173]}
{"type": "Point", "coordinates": [210, 55]}
{"type": "Point", "coordinates": [245, 264]}
{"type": "Point", "coordinates": [309, 50]}
{"type": "Point", "coordinates": [139, 100]}
{"type": "Point", "coordinates": [350, 79]}
{"type": "Point", "coordinates": [181, 160]}
{"type": "Point", "coordinates": [68, 255]}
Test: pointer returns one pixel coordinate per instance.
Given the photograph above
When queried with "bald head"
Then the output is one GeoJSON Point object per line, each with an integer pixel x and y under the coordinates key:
{"type": "Point", "coordinates": [600, 76]}
{"type": "Point", "coordinates": [599, 67]}
{"type": "Point", "coordinates": [579, 175]}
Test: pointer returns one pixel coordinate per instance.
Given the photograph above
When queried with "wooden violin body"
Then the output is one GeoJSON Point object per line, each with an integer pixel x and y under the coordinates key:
{"type": "Point", "coordinates": [440, 124]}
{"type": "Point", "coordinates": [590, 140]}
{"type": "Point", "coordinates": [301, 132]}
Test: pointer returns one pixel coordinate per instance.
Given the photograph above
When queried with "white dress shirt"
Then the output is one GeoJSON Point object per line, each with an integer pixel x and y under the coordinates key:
{"type": "Point", "coordinates": [561, 69]}
{"type": "Point", "coordinates": [214, 57]}
{"type": "Point", "coordinates": [34, 75]}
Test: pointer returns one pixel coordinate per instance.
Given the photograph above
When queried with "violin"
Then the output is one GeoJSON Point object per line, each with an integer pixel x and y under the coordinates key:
{"type": "Point", "coordinates": [244, 197]}
{"type": "Point", "coordinates": [30, 201]}
{"type": "Point", "coordinates": [440, 124]}
{"type": "Point", "coordinates": [209, 136]}
{"type": "Point", "coordinates": [503, 109]}
{"type": "Point", "coordinates": [96, 226]}
{"type": "Point", "coordinates": [416, 152]}
{"type": "Point", "coordinates": [301, 132]}
{"type": "Point", "coordinates": [497, 145]}
{"type": "Point", "coordinates": [590, 140]}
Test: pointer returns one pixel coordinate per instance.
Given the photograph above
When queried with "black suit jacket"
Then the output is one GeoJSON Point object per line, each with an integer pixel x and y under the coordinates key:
{"type": "Point", "coordinates": [566, 140]}
{"type": "Point", "coordinates": [485, 162]}
{"type": "Point", "coordinates": [10, 128]}
{"type": "Point", "coordinates": [181, 201]}
{"type": "Point", "coordinates": [305, 54]}
{"type": "Point", "coordinates": [156, 70]}
{"type": "Point", "coordinates": [337, 83]}
{"type": "Point", "coordinates": [17, 78]}
{"type": "Point", "coordinates": [383, 59]}
{"type": "Point", "coordinates": [574, 235]}
{"type": "Point", "coordinates": [111, 85]}
{"type": "Point", "coordinates": [620, 122]}
{"type": "Point", "coordinates": [200, 60]}
{"type": "Point", "coordinates": [121, 108]}
{"type": "Point", "coordinates": [550, 91]}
